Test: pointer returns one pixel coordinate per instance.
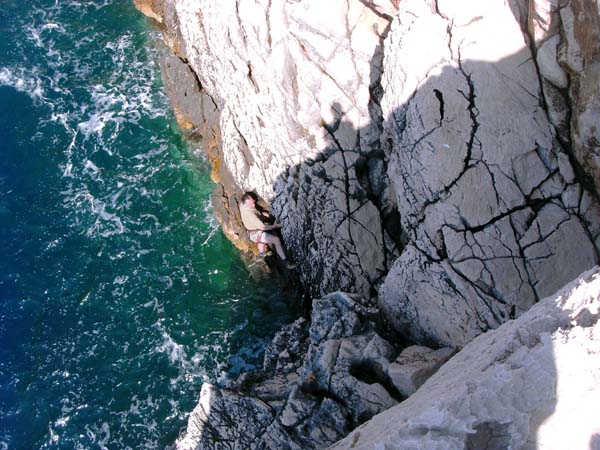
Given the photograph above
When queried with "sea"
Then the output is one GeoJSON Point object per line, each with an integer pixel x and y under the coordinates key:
{"type": "Point", "coordinates": [119, 294]}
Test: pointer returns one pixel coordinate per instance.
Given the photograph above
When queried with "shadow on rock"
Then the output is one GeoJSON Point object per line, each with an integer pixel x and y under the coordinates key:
{"type": "Point", "coordinates": [455, 210]}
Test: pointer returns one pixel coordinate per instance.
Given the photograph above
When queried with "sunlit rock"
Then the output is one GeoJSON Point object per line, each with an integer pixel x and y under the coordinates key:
{"type": "Point", "coordinates": [530, 384]}
{"type": "Point", "coordinates": [480, 194]}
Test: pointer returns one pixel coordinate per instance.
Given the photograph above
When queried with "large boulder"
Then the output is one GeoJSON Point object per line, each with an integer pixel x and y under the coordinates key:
{"type": "Point", "coordinates": [530, 384]}
{"type": "Point", "coordinates": [495, 215]}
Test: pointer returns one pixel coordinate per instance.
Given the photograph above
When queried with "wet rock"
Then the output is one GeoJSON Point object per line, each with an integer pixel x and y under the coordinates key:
{"type": "Point", "coordinates": [194, 110]}
{"type": "Point", "coordinates": [520, 386]}
{"type": "Point", "coordinates": [150, 9]}
{"type": "Point", "coordinates": [414, 366]}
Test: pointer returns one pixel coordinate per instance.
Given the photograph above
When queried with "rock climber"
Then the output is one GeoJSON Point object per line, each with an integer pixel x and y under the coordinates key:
{"type": "Point", "coordinates": [258, 230]}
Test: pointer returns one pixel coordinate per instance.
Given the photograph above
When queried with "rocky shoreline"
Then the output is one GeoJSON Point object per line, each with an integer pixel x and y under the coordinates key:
{"type": "Point", "coordinates": [435, 168]}
{"type": "Point", "coordinates": [506, 389]}
{"type": "Point", "coordinates": [319, 381]}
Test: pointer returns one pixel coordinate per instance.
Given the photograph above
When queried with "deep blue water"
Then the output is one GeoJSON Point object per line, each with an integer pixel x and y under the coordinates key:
{"type": "Point", "coordinates": [119, 295]}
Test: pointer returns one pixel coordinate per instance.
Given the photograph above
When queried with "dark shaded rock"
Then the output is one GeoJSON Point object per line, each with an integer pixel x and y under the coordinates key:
{"type": "Point", "coordinates": [288, 347]}
{"type": "Point", "coordinates": [225, 420]}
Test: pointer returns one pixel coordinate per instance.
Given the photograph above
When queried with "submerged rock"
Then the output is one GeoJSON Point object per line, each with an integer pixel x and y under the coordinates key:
{"type": "Point", "coordinates": [532, 383]}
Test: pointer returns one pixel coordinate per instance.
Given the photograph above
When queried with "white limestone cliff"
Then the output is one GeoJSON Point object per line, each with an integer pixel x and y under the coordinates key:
{"type": "Point", "coordinates": [438, 158]}
{"type": "Point", "coordinates": [296, 86]}
{"type": "Point", "coordinates": [530, 384]}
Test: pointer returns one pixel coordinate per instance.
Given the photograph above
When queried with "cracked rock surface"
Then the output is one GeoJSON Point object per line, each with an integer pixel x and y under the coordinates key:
{"type": "Point", "coordinates": [496, 218]}
{"type": "Point", "coordinates": [330, 379]}
{"type": "Point", "coordinates": [296, 87]}
{"type": "Point", "coordinates": [530, 384]}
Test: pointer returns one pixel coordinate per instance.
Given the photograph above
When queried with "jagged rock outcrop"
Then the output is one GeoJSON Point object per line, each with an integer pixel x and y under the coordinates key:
{"type": "Point", "coordinates": [530, 384]}
{"type": "Point", "coordinates": [311, 393]}
{"type": "Point", "coordinates": [439, 158]}
{"type": "Point", "coordinates": [495, 215]}
{"type": "Point", "coordinates": [225, 420]}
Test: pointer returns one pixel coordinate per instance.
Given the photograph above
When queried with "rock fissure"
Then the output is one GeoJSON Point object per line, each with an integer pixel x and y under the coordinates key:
{"type": "Point", "coordinates": [443, 189]}
{"type": "Point", "coordinates": [348, 213]}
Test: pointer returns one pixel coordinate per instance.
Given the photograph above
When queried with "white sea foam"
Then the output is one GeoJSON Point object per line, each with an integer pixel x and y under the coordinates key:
{"type": "Point", "coordinates": [99, 435]}
{"type": "Point", "coordinates": [175, 352]}
{"type": "Point", "coordinates": [167, 280]}
{"type": "Point", "coordinates": [91, 169]}
{"type": "Point", "coordinates": [23, 80]}
{"type": "Point", "coordinates": [53, 436]}
{"type": "Point", "coordinates": [121, 279]}
{"type": "Point", "coordinates": [52, 26]}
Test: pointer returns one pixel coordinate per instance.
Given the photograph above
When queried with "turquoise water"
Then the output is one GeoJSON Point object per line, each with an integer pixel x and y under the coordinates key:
{"type": "Point", "coordinates": [119, 295]}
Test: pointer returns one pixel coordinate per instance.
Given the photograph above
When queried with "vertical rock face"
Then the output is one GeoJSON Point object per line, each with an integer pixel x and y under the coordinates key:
{"type": "Point", "coordinates": [495, 216]}
{"type": "Point", "coordinates": [297, 89]}
{"type": "Point", "coordinates": [452, 145]}
{"type": "Point", "coordinates": [531, 384]}
{"type": "Point", "coordinates": [439, 157]}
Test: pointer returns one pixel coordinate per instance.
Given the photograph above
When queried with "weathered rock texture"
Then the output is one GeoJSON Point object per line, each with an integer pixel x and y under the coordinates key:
{"type": "Point", "coordinates": [437, 157]}
{"type": "Point", "coordinates": [495, 215]}
{"type": "Point", "coordinates": [324, 384]}
{"type": "Point", "coordinates": [531, 384]}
